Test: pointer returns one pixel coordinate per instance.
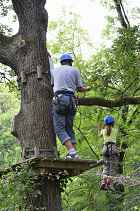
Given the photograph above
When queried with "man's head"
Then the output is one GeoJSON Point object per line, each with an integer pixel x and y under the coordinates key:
{"type": "Point", "coordinates": [66, 59]}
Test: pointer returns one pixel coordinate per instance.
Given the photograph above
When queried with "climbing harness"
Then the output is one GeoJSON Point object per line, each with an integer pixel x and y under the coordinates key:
{"type": "Point", "coordinates": [64, 102]}
{"type": "Point", "coordinates": [109, 149]}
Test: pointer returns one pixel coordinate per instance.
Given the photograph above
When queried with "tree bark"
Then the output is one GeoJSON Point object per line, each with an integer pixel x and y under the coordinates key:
{"type": "Point", "coordinates": [33, 125]}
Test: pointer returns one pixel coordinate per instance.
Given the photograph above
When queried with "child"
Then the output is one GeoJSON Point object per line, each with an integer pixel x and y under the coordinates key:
{"type": "Point", "coordinates": [110, 151]}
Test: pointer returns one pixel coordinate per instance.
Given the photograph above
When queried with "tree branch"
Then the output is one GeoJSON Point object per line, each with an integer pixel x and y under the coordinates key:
{"type": "Point", "coordinates": [126, 18]}
{"type": "Point", "coordinates": [90, 101]}
{"type": "Point", "coordinates": [8, 48]}
{"type": "Point", "coordinates": [121, 13]}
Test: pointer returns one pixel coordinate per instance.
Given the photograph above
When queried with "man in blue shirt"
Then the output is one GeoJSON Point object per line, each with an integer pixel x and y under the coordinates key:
{"type": "Point", "coordinates": [66, 81]}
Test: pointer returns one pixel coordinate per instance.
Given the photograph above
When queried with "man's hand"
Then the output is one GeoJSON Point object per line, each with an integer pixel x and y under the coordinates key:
{"type": "Point", "coordinates": [84, 89]}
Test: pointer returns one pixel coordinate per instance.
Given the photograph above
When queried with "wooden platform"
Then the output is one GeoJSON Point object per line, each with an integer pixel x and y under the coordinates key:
{"type": "Point", "coordinates": [66, 167]}
{"type": "Point", "coordinates": [52, 167]}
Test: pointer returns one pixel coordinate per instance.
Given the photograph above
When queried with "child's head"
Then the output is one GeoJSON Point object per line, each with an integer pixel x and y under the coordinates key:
{"type": "Point", "coordinates": [108, 124]}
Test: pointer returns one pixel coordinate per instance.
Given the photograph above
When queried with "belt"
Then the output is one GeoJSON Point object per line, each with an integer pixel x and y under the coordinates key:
{"type": "Point", "coordinates": [109, 143]}
{"type": "Point", "coordinates": [63, 92]}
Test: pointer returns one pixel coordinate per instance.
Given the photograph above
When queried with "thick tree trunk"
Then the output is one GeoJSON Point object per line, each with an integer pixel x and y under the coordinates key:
{"type": "Point", "coordinates": [33, 124]}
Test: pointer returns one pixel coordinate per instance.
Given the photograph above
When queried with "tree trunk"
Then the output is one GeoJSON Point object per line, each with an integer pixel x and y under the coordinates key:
{"type": "Point", "coordinates": [45, 197]}
{"type": "Point", "coordinates": [33, 124]}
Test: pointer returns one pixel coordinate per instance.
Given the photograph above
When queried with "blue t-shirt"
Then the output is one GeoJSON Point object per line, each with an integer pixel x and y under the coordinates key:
{"type": "Point", "coordinates": [66, 77]}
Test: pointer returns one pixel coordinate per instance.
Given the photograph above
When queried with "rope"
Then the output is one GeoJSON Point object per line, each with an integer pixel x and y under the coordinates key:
{"type": "Point", "coordinates": [96, 155]}
{"type": "Point", "coordinates": [83, 135]}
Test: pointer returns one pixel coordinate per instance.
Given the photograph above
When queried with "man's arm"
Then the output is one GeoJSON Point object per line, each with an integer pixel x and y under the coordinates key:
{"type": "Point", "coordinates": [80, 86]}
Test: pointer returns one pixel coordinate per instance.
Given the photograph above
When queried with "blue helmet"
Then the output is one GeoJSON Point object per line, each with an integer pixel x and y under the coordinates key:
{"type": "Point", "coordinates": [108, 120]}
{"type": "Point", "coordinates": [65, 56]}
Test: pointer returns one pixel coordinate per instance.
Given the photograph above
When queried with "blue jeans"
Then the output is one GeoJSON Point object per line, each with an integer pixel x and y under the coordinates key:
{"type": "Point", "coordinates": [63, 123]}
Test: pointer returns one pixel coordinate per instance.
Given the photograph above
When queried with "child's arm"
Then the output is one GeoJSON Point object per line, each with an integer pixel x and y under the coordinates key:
{"type": "Point", "coordinates": [99, 129]}
{"type": "Point", "coordinates": [101, 133]}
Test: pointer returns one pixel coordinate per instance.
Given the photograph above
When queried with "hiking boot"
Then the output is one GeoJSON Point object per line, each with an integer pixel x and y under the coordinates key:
{"type": "Point", "coordinates": [75, 157]}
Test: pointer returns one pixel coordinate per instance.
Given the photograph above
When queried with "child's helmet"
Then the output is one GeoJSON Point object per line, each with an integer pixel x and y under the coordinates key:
{"type": "Point", "coordinates": [108, 120]}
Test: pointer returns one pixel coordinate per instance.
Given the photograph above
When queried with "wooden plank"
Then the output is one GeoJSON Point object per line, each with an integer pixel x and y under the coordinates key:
{"type": "Point", "coordinates": [66, 164]}
{"type": "Point", "coordinates": [66, 167]}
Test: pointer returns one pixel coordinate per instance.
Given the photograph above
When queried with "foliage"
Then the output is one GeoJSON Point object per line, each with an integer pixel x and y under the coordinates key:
{"type": "Point", "coordinates": [14, 187]}
{"type": "Point", "coordinates": [111, 72]}
{"type": "Point", "coordinates": [9, 149]}
{"type": "Point", "coordinates": [5, 8]}
{"type": "Point", "coordinates": [68, 36]}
